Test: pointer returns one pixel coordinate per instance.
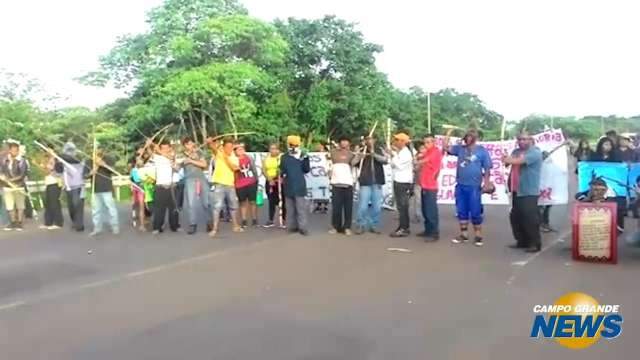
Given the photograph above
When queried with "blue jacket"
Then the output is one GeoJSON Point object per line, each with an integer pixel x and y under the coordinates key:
{"type": "Point", "coordinates": [293, 171]}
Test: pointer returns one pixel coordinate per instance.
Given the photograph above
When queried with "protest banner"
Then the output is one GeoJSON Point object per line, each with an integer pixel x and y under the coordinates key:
{"type": "Point", "coordinates": [553, 183]}
{"type": "Point", "coordinates": [616, 175]}
{"type": "Point", "coordinates": [595, 232]}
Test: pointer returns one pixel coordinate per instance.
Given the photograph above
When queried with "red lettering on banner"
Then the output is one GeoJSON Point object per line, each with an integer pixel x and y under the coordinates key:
{"type": "Point", "coordinates": [446, 194]}
{"type": "Point", "coordinates": [448, 180]}
{"type": "Point", "coordinates": [557, 137]}
{"type": "Point", "coordinates": [545, 194]}
{"type": "Point", "coordinates": [452, 164]}
{"type": "Point", "coordinates": [497, 178]}
{"type": "Point", "coordinates": [547, 137]}
{"type": "Point", "coordinates": [496, 164]}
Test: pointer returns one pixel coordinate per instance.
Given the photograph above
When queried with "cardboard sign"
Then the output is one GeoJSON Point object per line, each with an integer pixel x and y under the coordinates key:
{"type": "Point", "coordinates": [595, 236]}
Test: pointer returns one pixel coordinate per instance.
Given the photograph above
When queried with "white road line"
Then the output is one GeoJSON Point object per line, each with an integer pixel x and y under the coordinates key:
{"type": "Point", "coordinates": [12, 305]}
{"type": "Point", "coordinates": [521, 264]}
{"type": "Point", "coordinates": [130, 275]}
{"type": "Point", "coordinates": [526, 261]}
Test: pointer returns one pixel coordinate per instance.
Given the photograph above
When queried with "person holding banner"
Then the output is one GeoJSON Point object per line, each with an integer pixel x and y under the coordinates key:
{"type": "Point", "coordinates": [472, 180]}
{"type": "Point", "coordinates": [293, 167]}
{"type": "Point", "coordinates": [524, 184]}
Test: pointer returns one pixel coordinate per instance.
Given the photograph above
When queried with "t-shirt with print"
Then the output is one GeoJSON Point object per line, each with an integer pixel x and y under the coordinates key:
{"type": "Point", "coordinates": [472, 163]}
{"type": "Point", "coordinates": [246, 175]}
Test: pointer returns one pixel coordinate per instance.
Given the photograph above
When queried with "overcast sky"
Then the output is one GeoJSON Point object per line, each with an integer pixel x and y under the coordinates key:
{"type": "Point", "coordinates": [557, 57]}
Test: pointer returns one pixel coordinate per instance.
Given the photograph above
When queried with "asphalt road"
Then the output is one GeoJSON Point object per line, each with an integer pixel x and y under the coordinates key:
{"type": "Point", "coordinates": [268, 295]}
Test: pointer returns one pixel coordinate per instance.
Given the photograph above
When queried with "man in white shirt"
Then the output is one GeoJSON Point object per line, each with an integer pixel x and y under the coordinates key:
{"type": "Point", "coordinates": [402, 166]}
{"type": "Point", "coordinates": [164, 198]}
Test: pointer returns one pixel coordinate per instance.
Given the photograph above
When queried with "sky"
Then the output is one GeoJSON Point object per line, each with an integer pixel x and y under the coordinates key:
{"type": "Point", "coordinates": [558, 57]}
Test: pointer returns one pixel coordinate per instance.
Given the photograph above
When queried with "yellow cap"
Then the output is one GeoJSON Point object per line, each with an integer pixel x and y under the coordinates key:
{"type": "Point", "coordinates": [293, 140]}
{"type": "Point", "coordinates": [402, 137]}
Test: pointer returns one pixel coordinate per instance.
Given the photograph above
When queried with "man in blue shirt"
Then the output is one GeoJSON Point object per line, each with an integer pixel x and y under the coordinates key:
{"type": "Point", "coordinates": [524, 184]}
{"type": "Point", "coordinates": [472, 179]}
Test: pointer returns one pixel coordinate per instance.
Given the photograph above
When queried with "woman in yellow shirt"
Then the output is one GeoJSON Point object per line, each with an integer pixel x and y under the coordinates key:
{"type": "Point", "coordinates": [271, 170]}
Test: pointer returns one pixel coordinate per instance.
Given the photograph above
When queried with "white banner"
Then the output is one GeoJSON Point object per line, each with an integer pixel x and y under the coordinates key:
{"type": "Point", "coordinates": [553, 183]}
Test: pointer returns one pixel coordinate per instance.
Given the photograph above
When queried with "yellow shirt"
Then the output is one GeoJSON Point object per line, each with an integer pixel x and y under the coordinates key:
{"type": "Point", "coordinates": [271, 165]}
{"type": "Point", "coordinates": [222, 174]}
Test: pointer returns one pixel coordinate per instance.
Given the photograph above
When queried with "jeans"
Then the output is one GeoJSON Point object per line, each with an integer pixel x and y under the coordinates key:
{"type": "Point", "coordinates": [104, 206]}
{"type": "Point", "coordinates": [297, 218]}
{"type": "Point", "coordinates": [430, 211]}
{"type": "Point", "coordinates": [75, 204]}
{"type": "Point", "coordinates": [545, 211]}
{"type": "Point", "coordinates": [525, 221]}
{"type": "Point", "coordinates": [196, 199]}
{"type": "Point", "coordinates": [341, 203]}
{"type": "Point", "coordinates": [369, 218]}
{"type": "Point", "coordinates": [402, 194]}
{"type": "Point", "coordinates": [52, 206]}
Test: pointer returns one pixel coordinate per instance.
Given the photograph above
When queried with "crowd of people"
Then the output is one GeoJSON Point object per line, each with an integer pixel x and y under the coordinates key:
{"type": "Point", "coordinates": [177, 183]}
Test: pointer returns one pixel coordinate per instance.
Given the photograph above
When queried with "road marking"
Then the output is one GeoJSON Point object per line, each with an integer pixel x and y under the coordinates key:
{"type": "Point", "coordinates": [131, 275]}
{"type": "Point", "coordinates": [12, 305]}
{"type": "Point", "coordinates": [522, 263]}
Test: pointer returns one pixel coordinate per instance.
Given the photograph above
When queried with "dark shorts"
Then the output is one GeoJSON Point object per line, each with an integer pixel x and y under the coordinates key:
{"type": "Point", "coordinates": [248, 193]}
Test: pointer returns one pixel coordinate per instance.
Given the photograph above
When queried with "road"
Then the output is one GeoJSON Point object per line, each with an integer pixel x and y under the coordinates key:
{"type": "Point", "coordinates": [269, 295]}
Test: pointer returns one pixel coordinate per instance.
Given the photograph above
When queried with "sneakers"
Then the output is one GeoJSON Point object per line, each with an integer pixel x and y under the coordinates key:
{"type": "Point", "coordinates": [43, 227]}
{"type": "Point", "coordinates": [244, 223]}
{"type": "Point", "coordinates": [95, 233]}
{"type": "Point", "coordinates": [333, 232]}
{"type": "Point", "coordinates": [155, 232]}
{"type": "Point", "coordinates": [239, 229]}
{"type": "Point", "coordinates": [9, 227]}
{"type": "Point", "coordinates": [53, 227]}
{"type": "Point", "coordinates": [375, 231]}
{"type": "Point", "coordinates": [115, 231]}
{"type": "Point", "coordinates": [269, 224]}
{"type": "Point", "coordinates": [348, 232]}
{"type": "Point", "coordinates": [192, 229]}
{"type": "Point", "coordinates": [304, 232]}
{"type": "Point", "coordinates": [213, 233]}
{"type": "Point", "coordinates": [460, 239]}
{"type": "Point", "coordinates": [359, 230]}
{"type": "Point", "coordinates": [477, 241]}
{"type": "Point", "coordinates": [400, 233]}
{"type": "Point", "coordinates": [18, 227]}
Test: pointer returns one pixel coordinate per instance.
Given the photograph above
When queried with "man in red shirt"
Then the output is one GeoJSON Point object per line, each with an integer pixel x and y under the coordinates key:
{"type": "Point", "coordinates": [429, 163]}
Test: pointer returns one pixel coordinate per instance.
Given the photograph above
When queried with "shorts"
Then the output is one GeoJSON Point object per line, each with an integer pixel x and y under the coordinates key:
{"type": "Point", "coordinates": [222, 194]}
{"type": "Point", "coordinates": [137, 195]}
{"type": "Point", "coordinates": [248, 193]}
{"type": "Point", "coordinates": [14, 199]}
{"type": "Point", "coordinates": [469, 203]}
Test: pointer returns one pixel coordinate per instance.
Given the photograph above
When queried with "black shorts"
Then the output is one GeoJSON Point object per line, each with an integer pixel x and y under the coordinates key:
{"type": "Point", "coordinates": [248, 193]}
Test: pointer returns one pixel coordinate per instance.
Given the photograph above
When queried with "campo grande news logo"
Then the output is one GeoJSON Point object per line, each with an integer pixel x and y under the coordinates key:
{"type": "Point", "coordinates": [577, 321]}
